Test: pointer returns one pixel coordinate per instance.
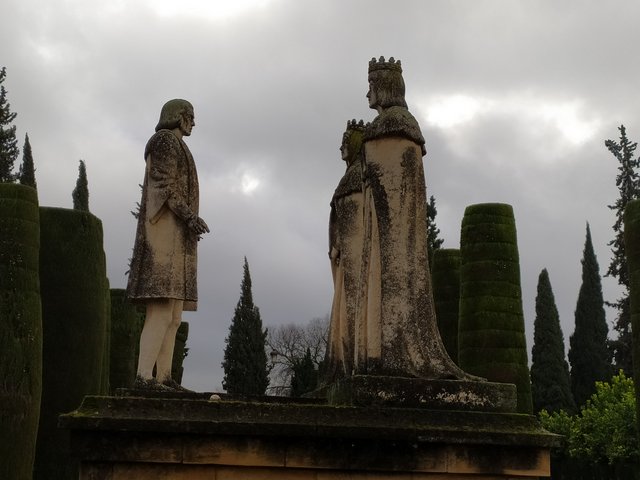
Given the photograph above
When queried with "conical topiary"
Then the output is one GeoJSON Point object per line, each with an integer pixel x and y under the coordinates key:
{"type": "Point", "coordinates": [445, 278]}
{"type": "Point", "coordinates": [74, 312]}
{"type": "Point", "coordinates": [491, 340]}
{"type": "Point", "coordinates": [20, 330]}
{"type": "Point", "coordinates": [126, 325]}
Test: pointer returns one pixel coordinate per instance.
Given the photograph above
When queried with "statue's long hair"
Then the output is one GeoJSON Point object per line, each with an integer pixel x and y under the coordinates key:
{"type": "Point", "coordinates": [172, 112]}
{"type": "Point", "coordinates": [389, 88]}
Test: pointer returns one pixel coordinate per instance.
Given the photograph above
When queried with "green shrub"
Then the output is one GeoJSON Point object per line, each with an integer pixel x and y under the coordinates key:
{"type": "Point", "coordinates": [126, 324]}
{"type": "Point", "coordinates": [491, 340]}
{"type": "Point", "coordinates": [445, 276]}
{"type": "Point", "coordinates": [605, 429]}
{"type": "Point", "coordinates": [20, 330]}
{"type": "Point", "coordinates": [73, 287]}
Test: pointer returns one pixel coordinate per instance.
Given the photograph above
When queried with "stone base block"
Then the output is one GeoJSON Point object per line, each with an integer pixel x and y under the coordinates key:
{"type": "Point", "coordinates": [117, 438]}
{"type": "Point", "coordinates": [369, 390]}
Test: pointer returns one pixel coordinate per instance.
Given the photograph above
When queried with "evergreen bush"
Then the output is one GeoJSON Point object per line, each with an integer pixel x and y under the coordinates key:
{"type": "Point", "coordinates": [445, 278]}
{"type": "Point", "coordinates": [73, 287]}
{"type": "Point", "coordinates": [179, 352]}
{"type": "Point", "coordinates": [632, 243]}
{"type": "Point", "coordinates": [126, 326]}
{"type": "Point", "coordinates": [20, 330]}
{"type": "Point", "coordinates": [491, 340]}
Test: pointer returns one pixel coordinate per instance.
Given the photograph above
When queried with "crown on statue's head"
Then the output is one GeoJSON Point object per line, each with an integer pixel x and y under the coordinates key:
{"type": "Point", "coordinates": [356, 125]}
{"type": "Point", "coordinates": [381, 64]}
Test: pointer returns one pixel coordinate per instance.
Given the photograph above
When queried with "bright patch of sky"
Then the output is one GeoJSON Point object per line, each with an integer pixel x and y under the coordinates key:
{"type": "Point", "coordinates": [569, 118]}
{"type": "Point", "coordinates": [211, 9]}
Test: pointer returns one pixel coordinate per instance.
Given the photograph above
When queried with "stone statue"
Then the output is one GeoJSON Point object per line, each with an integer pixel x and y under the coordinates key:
{"type": "Point", "coordinates": [346, 230]}
{"type": "Point", "coordinates": [396, 332]}
{"type": "Point", "coordinates": [164, 263]}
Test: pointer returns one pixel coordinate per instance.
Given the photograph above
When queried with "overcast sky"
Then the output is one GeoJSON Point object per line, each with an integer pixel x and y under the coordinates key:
{"type": "Point", "coordinates": [515, 100]}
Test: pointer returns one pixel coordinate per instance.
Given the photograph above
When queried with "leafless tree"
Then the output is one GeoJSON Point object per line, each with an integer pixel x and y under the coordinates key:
{"type": "Point", "coordinates": [288, 344]}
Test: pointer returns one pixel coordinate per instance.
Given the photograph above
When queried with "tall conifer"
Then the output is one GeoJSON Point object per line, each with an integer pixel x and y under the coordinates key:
{"type": "Point", "coordinates": [8, 143]}
{"type": "Point", "coordinates": [81, 192]}
{"type": "Point", "coordinates": [27, 175]}
{"type": "Point", "coordinates": [628, 183]}
{"type": "Point", "coordinates": [305, 375]}
{"type": "Point", "coordinates": [550, 383]}
{"type": "Point", "coordinates": [245, 358]}
{"type": "Point", "coordinates": [589, 356]}
{"type": "Point", "coordinates": [433, 242]}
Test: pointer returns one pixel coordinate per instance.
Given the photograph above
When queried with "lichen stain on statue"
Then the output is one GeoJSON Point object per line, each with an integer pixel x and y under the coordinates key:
{"type": "Point", "coordinates": [163, 274]}
{"type": "Point", "coordinates": [395, 331]}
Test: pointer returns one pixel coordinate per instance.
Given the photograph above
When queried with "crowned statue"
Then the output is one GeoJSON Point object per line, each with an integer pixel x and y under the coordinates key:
{"type": "Point", "coordinates": [386, 325]}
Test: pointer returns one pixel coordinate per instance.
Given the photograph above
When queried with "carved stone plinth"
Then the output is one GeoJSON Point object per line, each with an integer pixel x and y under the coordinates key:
{"type": "Point", "coordinates": [380, 391]}
{"type": "Point", "coordinates": [139, 438]}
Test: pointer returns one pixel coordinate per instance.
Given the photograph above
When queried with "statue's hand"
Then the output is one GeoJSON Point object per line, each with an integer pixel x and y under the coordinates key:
{"type": "Point", "coordinates": [198, 225]}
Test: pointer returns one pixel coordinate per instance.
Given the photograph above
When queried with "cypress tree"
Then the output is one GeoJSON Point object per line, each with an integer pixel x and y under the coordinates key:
{"type": "Point", "coordinates": [491, 340]}
{"type": "Point", "coordinates": [445, 276]}
{"type": "Point", "coordinates": [126, 326]}
{"type": "Point", "coordinates": [589, 356]}
{"type": "Point", "coordinates": [550, 383]}
{"type": "Point", "coordinates": [180, 352]}
{"type": "Point", "coordinates": [632, 241]}
{"type": "Point", "coordinates": [245, 358]}
{"type": "Point", "coordinates": [20, 330]}
{"type": "Point", "coordinates": [8, 142]}
{"type": "Point", "coordinates": [75, 310]}
{"type": "Point", "coordinates": [27, 175]}
{"type": "Point", "coordinates": [305, 375]}
{"type": "Point", "coordinates": [628, 183]}
{"type": "Point", "coordinates": [81, 192]}
{"type": "Point", "coordinates": [433, 242]}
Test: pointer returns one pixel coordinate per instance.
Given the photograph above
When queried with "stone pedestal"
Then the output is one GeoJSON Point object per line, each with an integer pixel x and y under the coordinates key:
{"type": "Point", "coordinates": [191, 438]}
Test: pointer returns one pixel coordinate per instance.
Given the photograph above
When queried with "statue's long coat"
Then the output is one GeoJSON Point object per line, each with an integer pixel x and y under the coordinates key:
{"type": "Point", "coordinates": [396, 333]}
{"type": "Point", "coordinates": [164, 259]}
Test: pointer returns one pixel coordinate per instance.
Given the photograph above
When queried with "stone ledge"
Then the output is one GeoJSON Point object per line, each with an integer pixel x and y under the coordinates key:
{"type": "Point", "coordinates": [227, 418]}
{"type": "Point", "coordinates": [381, 391]}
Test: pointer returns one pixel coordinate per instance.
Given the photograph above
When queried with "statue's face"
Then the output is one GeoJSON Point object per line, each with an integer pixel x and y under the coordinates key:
{"type": "Point", "coordinates": [344, 148]}
{"type": "Point", "coordinates": [371, 94]}
{"type": "Point", "coordinates": [187, 123]}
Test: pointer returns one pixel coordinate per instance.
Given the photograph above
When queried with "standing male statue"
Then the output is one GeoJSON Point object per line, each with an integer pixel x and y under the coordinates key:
{"type": "Point", "coordinates": [164, 263]}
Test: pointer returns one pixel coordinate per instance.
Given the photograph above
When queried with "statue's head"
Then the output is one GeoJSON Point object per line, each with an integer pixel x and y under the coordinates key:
{"type": "Point", "coordinates": [351, 147]}
{"type": "Point", "coordinates": [173, 114]}
{"type": "Point", "coordinates": [386, 86]}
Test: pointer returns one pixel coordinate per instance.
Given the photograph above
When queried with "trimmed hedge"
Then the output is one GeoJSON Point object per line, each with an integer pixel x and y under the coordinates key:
{"type": "Point", "coordinates": [20, 330]}
{"type": "Point", "coordinates": [74, 311]}
{"type": "Point", "coordinates": [445, 278]}
{"type": "Point", "coordinates": [632, 249]}
{"type": "Point", "coordinates": [491, 340]}
{"type": "Point", "coordinates": [126, 326]}
{"type": "Point", "coordinates": [178, 352]}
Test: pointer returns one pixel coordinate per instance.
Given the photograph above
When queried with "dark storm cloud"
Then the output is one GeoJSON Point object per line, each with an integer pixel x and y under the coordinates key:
{"type": "Point", "coordinates": [273, 87]}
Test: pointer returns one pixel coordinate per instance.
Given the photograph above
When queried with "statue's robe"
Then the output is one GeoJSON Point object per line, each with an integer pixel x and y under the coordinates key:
{"type": "Point", "coordinates": [346, 230]}
{"type": "Point", "coordinates": [164, 259]}
{"type": "Point", "coordinates": [396, 333]}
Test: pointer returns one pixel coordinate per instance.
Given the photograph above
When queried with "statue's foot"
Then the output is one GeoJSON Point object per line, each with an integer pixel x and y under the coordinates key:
{"type": "Point", "coordinates": [150, 384]}
{"type": "Point", "coordinates": [172, 384]}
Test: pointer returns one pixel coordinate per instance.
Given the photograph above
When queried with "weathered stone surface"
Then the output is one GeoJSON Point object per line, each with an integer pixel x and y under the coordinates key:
{"type": "Point", "coordinates": [367, 390]}
{"type": "Point", "coordinates": [133, 437]}
{"type": "Point", "coordinates": [383, 315]}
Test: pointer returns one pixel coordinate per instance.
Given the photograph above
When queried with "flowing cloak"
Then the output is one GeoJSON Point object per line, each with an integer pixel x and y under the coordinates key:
{"type": "Point", "coordinates": [397, 334]}
{"type": "Point", "coordinates": [164, 258]}
{"type": "Point", "coordinates": [346, 230]}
